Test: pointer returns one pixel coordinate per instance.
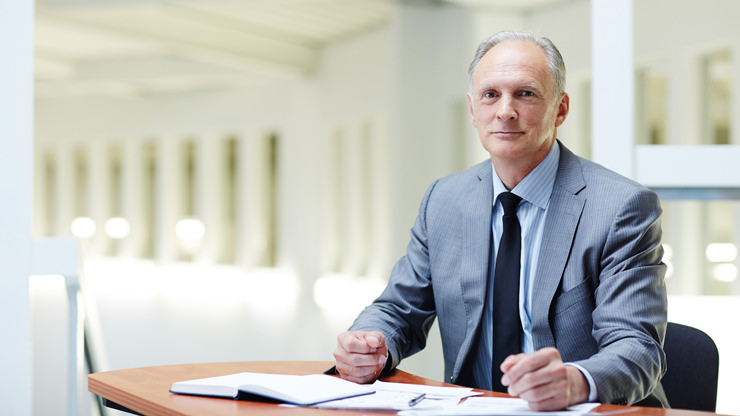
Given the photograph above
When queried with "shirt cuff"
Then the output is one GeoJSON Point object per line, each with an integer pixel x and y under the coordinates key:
{"type": "Point", "coordinates": [388, 363]}
{"type": "Point", "coordinates": [593, 393]}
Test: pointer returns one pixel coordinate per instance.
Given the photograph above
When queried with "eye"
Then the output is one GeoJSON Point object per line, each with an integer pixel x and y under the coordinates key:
{"type": "Point", "coordinates": [490, 94]}
{"type": "Point", "coordinates": [527, 94]}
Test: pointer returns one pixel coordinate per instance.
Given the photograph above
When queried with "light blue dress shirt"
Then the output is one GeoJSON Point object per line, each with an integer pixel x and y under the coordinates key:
{"type": "Point", "coordinates": [535, 190]}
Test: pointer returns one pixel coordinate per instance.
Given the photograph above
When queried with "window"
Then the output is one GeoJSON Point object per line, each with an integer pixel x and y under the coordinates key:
{"type": "Point", "coordinates": [701, 240]}
{"type": "Point", "coordinates": [717, 88]}
{"type": "Point", "coordinates": [651, 86]}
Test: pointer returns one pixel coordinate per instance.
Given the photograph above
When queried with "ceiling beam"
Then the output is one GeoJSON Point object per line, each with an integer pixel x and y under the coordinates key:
{"type": "Point", "coordinates": [240, 52]}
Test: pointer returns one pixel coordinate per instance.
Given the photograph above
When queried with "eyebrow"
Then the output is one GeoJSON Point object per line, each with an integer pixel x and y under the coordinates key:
{"type": "Point", "coordinates": [530, 86]}
{"type": "Point", "coordinates": [494, 85]}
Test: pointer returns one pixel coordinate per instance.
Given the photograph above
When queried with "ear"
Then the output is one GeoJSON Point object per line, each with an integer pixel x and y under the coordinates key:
{"type": "Point", "coordinates": [470, 110]}
{"type": "Point", "coordinates": [563, 108]}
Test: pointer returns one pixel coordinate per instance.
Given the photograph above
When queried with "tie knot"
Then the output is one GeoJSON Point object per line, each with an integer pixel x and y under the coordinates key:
{"type": "Point", "coordinates": [509, 202]}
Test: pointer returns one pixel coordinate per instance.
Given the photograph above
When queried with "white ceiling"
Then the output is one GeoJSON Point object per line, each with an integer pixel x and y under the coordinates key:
{"type": "Point", "coordinates": [143, 47]}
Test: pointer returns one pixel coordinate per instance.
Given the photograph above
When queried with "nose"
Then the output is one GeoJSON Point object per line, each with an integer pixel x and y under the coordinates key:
{"type": "Point", "coordinates": [506, 109]}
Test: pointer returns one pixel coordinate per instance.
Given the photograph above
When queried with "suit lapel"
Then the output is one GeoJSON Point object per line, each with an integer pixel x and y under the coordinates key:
{"type": "Point", "coordinates": [475, 252]}
{"type": "Point", "coordinates": [563, 216]}
{"type": "Point", "coordinates": [476, 240]}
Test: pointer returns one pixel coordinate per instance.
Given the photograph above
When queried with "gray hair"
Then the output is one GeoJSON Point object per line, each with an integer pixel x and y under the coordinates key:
{"type": "Point", "coordinates": [554, 60]}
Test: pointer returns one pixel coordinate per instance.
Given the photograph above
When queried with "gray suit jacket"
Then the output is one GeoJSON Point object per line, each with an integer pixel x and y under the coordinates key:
{"type": "Point", "coordinates": [599, 295]}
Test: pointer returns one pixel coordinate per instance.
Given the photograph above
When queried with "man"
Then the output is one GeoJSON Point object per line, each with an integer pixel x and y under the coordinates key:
{"type": "Point", "coordinates": [591, 295]}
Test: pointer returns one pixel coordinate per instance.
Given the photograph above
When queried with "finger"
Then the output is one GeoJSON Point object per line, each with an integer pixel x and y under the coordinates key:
{"type": "Point", "coordinates": [553, 395]}
{"type": "Point", "coordinates": [357, 374]}
{"type": "Point", "coordinates": [376, 341]}
{"type": "Point", "coordinates": [359, 360]}
{"type": "Point", "coordinates": [361, 348]}
{"type": "Point", "coordinates": [549, 404]}
{"type": "Point", "coordinates": [524, 364]}
{"type": "Point", "coordinates": [356, 342]}
{"type": "Point", "coordinates": [550, 381]}
{"type": "Point", "coordinates": [360, 368]}
{"type": "Point", "coordinates": [510, 361]}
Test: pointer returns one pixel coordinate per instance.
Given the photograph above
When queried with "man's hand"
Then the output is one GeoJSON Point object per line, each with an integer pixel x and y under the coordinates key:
{"type": "Point", "coordinates": [360, 355]}
{"type": "Point", "coordinates": [543, 380]}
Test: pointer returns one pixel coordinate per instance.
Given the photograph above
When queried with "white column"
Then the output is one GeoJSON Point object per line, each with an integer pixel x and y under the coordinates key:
{"type": "Point", "coordinates": [132, 209]}
{"type": "Point", "coordinates": [100, 207]}
{"type": "Point", "coordinates": [169, 195]}
{"type": "Point", "coordinates": [63, 202]}
{"type": "Point", "coordinates": [16, 159]}
{"type": "Point", "coordinates": [252, 205]}
{"type": "Point", "coordinates": [209, 195]}
{"type": "Point", "coordinates": [242, 251]}
{"type": "Point", "coordinates": [613, 85]}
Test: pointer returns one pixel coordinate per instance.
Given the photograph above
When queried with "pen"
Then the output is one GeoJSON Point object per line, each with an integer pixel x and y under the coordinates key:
{"type": "Point", "coordinates": [417, 399]}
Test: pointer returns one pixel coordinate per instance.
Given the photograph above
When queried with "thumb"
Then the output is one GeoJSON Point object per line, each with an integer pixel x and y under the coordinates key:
{"type": "Point", "coordinates": [375, 339]}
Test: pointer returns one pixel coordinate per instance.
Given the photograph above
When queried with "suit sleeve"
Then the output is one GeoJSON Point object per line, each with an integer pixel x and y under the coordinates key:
{"type": "Point", "coordinates": [629, 318]}
{"type": "Point", "coordinates": [405, 310]}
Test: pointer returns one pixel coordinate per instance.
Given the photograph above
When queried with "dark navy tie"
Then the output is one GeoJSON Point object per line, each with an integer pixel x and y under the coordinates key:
{"type": "Point", "coordinates": [506, 323]}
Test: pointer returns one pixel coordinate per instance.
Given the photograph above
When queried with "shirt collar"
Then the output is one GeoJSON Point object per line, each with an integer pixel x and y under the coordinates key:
{"type": "Point", "coordinates": [536, 187]}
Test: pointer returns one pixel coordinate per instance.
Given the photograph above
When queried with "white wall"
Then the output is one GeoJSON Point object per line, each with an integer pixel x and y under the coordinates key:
{"type": "Point", "coordinates": [50, 355]}
{"type": "Point", "coordinates": [16, 245]}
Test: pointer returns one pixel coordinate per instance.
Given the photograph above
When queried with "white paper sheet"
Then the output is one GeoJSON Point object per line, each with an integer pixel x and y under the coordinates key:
{"type": "Point", "coordinates": [478, 406]}
{"type": "Point", "coordinates": [397, 396]}
{"type": "Point", "coordinates": [390, 400]}
{"type": "Point", "coordinates": [432, 392]}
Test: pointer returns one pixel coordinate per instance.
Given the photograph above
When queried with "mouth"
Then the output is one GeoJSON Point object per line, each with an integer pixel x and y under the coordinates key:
{"type": "Point", "coordinates": [508, 134]}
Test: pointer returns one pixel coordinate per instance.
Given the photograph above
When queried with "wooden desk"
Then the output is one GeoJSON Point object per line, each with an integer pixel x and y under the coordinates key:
{"type": "Point", "coordinates": [146, 391]}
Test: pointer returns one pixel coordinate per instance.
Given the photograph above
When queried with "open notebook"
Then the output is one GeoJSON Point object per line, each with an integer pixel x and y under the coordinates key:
{"type": "Point", "coordinates": [303, 390]}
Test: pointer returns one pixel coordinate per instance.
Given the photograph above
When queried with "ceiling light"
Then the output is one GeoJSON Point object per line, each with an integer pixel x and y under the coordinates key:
{"type": "Point", "coordinates": [721, 252]}
{"type": "Point", "coordinates": [190, 229]}
{"type": "Point", "coordinates": [82, 227]}
{"type": "Point", "coordinates": [117, 228]}
{"type": "Point", "coordinates": [725, 272]}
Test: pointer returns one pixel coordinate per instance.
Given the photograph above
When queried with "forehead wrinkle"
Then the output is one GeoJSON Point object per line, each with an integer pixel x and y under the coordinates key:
{"type": "Point", "coordinates": [517, 73]}
{"type": "Point", "coordinates": [495, 82]}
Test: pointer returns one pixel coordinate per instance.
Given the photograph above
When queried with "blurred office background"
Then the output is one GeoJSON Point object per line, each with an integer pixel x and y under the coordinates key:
{"type": "Point", "coordinates": [242, 175]}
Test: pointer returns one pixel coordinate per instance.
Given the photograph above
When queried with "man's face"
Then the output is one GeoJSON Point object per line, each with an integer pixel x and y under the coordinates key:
{"type": "Point", "coordinates": [512, 104]}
